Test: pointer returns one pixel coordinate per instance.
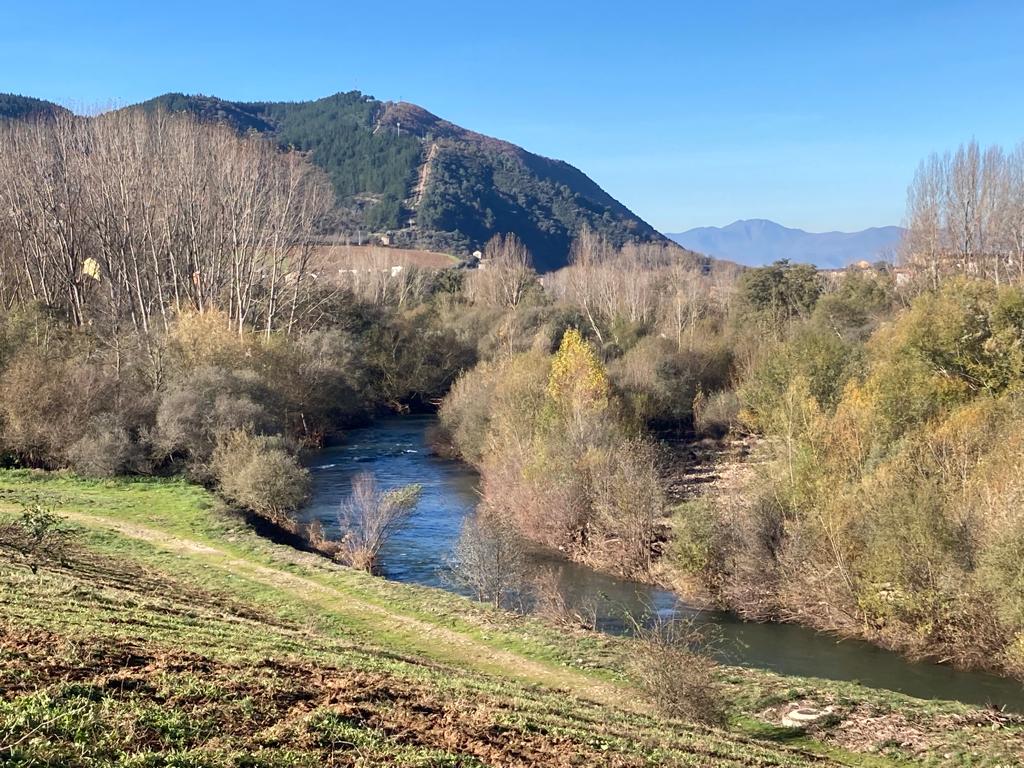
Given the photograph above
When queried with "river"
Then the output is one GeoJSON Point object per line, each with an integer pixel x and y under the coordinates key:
{"type": "Point", "coordinates": [396, 451]}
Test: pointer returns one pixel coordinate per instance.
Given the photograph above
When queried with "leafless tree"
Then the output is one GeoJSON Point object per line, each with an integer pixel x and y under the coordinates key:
{"type": "Point", "coordinates": [965, 214]}
{"type": "Point", "coordinates": [505, 273]}
{"type": "Point", "coordinates": [369, 517]}
{"type": "Point", "coordinates": [488, 558]}
{"type": "Point", "coordinates": [384, 277]}
{"type": "Point", "coordinates": [636, 286]}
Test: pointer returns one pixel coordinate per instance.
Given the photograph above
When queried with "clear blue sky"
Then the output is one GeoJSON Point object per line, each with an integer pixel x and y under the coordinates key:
{"type": "Point", "coordinates": [691, 113]}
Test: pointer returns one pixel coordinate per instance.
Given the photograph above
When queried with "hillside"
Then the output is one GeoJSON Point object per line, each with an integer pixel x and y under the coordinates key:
{"type": "Point", "coordinates": [25, 107]}
{"type": "Point", "coordinates": [164, 632]}
{"type": "Point", "coordinates": [757, 242]}
{"type": "Point", "coordinates": [398, 168]}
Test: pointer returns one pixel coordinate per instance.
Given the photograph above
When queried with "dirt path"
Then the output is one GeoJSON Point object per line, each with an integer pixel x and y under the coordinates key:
{"type": "Point", "coordinates": [424, 176]}
{"type": "Point", "coordinates": [429, 639]}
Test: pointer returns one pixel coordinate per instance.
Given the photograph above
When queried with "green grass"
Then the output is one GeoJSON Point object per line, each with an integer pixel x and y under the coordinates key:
{"type": "Point", "coordinates": [173, 635]}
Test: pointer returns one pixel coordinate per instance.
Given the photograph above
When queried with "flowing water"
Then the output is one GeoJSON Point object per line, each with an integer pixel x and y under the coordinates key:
{"type": "Point", "coordinates": [396, 451]}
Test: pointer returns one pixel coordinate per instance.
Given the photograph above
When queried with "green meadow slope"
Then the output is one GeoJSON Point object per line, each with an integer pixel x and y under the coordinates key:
{"type": "Point", "coordinates": [166, 633]}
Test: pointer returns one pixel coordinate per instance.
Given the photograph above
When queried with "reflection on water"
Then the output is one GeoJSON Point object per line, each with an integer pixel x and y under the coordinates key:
{"type": "Point", "coordinates": [396, 452]}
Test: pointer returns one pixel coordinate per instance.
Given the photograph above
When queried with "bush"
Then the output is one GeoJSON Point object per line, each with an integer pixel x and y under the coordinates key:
{"type": "Point", "coordinates": [107, 449]}
{"type": "Point", "coordinates": [628, 504]}
{"type": "Point", "coordinates": [49, 393]}
{"type": "Point", "coordinates": [548, 601]}
{"type": "Point", "coordinates": [37, 536]}
{"type": "Point", "coordinates": [670, 663]}
{"type": "Point", "coordinates": [257, 473]}
{"type": "Point", "coordinates": [559, 461]}
{"type": "Point", "coordinates": [655, 383]}
{"type": "Point", "coordinates": [773, 295]}
{"type": "Point", "coordinates": [488, 559]}
{"type": "Point", "coordinates": [369, 518]}
{"type": "Point", "coordinates": [891, 501]}
{"type": "Point", "coordinates": [693, 536]}
{"type": "Point", "coordinates": [465, 413]}
{"type": "Point", "coordinates": [210, 402]}
{"type": "Point", "coordinates": [716, 415]}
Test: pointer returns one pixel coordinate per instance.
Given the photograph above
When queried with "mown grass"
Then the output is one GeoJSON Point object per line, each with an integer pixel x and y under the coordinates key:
{"type": "Point", "coordinates": [170, 634]}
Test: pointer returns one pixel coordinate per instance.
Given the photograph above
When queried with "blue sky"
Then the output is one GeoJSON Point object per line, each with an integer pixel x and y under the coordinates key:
{"type": "Point", "coordinates": [814, 114]}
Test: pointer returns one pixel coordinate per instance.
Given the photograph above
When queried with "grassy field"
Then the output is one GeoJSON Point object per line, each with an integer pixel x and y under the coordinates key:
{"type": "Point", "coordinates": [168, 634]}
{"type": "Point", "coordinates": [335, 257]}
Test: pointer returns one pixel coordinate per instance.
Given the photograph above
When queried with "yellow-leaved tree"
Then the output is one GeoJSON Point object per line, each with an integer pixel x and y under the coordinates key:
{"type": "Point", "coordinates": [578, 386]}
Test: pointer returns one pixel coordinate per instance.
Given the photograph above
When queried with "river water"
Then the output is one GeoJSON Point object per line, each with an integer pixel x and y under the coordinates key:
{"type": "Point", "coordinates": [396, 451]}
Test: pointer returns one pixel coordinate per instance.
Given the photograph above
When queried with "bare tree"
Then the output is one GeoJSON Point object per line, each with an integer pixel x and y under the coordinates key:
{"type": "Point", "coordinates": [369, 517]}
{"type": "Point", "coordinates": [1012, 217]}
{"type": "Point", "coordinates": [383, 276]}
{"type": "Point", "coordinates": [925, 243]}
{"type": "Point", "coordinates": [633, 287]}
{"type": "Point", "coordinates": [965, 214]}
{"type": "Point", "coordinates": [505, 273]}
{"type": "Point", "coordinates": [488, 559]}
{"type": "Point", "coordinates": [589, 252]}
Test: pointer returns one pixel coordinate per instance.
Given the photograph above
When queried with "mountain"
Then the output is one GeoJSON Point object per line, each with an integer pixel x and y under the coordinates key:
{"type": "Point", "coordinates": [25, 107]}
{"type": "Point", "coordinates": [397, 168]}
{"type": "Point", "coordinates": [755, 242]}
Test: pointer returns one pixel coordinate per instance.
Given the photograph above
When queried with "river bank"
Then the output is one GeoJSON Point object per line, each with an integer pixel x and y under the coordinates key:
{"type": "Point", "coordinates": [169, 631]}
{"type": "Point", "coordinates": [398, 452]}
{"type": "Point", "coordinates": [714, 478]}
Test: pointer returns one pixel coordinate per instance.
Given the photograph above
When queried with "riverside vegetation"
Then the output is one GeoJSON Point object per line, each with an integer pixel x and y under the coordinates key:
{"type": "Point", "coordinates": [158, 630]}
{"type": "Point", "coordinates": [164, 317]}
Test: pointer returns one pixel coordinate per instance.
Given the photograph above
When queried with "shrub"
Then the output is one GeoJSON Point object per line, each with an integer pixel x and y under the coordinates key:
{"type": "Point", "coordinates": [48, 395]}
{"type": "Point", "coordinates": [107, 449]}
{"type": "Point", "coordinates": [549, 601]}
{"type": "Point", "coordinates": [465, 413]}
{"type": "Point", "coordinates": [777, 293]}
{"type": "Point", "coordinates": [414, 358]}
{"type": "Point", "coordinates": [37, 536]}
{"type": "Point", "coordinates": [369, 517]}
{"type": "Point", "coordinates": [210, 402]}
{"type": "Point", "coordinates": [559, 462]}
{"type": "Point", "coordinates": [716, 415]}
{"type": "Point", "coordinates": [208, 339]}
{"type": "Point", "coordinates": [628, 504]}
{"type": "Point", "coordinates": [671, 664]}
{"type": "Point", "coordinates": [693, 536]}
{"type": "Point", "coordinates": [654, 381]}
{"type": "Point", "coordinates": [488, 559]}
{"type": "Point", "coordinates": [258, 473]}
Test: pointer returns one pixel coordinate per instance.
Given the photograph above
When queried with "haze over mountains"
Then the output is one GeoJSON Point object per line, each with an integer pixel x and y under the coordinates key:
{"type": "Point", "coordinates": [756, 242]}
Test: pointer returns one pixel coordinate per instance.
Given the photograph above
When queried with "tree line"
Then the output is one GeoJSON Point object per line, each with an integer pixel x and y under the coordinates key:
{"type": "Point", "coordinates": [130, 218]}
{"type": "Point", "coordinates": [965, 214]}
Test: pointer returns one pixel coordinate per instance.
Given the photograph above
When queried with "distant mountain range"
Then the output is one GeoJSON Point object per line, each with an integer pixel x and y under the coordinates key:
{"type": "Point", "coordinates": [756, 242]}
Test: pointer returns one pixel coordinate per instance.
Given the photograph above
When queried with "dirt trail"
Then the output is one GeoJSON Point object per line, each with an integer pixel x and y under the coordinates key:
{"type": "Point", "coordinates": [430, 639]}
{"type": "Point", "coordinates": [424, 176]}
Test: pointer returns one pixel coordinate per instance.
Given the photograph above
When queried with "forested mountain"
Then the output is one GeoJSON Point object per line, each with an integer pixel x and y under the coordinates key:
{"type": "Point", "coordinates": [14, 106]}
{"type": "Point", "coordinates": [400, 169]}
{"type": "Point", "coordinates": [756, 242]}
